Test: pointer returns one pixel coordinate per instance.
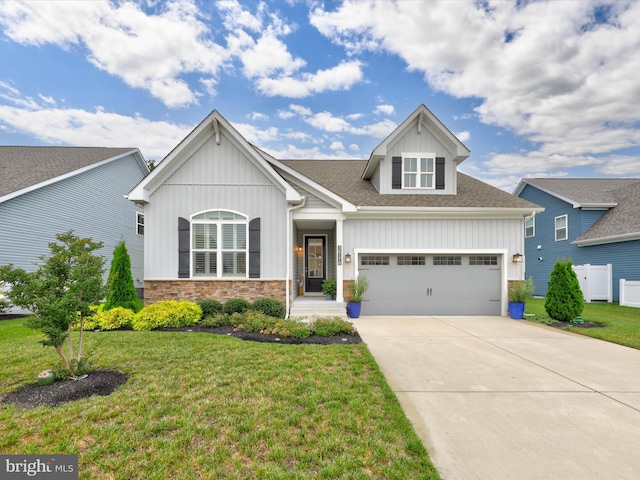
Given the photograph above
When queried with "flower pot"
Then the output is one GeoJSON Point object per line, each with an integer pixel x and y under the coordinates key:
{"type": "Point", "coordinates": [328, 296]}
{"type": "Point", "coordinates": [353, 309]}
{"type": "Point", "coordinates": [516, 310]}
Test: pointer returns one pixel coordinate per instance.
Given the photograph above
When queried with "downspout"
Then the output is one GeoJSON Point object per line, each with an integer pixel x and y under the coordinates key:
{"type": "Point", "coordinates": [288, 252]}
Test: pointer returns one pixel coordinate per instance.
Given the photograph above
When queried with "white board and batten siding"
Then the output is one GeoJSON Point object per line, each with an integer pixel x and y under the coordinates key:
{"type": "Point", "coordinates": [428, 288]}
{"type": "Point", "coordinates": [412, 141]}
{"type": "Point", "coordinates": [92, 204]}
{"type": "Point", "coordinates": [215, 177]}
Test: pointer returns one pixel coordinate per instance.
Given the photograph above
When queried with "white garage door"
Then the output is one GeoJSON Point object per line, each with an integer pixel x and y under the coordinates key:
{"type": "Point", "coordinates": [431, 284]}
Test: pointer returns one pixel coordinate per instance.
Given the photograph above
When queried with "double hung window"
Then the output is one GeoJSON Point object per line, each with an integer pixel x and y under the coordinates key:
{"type": "Point", "coordinates": [418, 170]}
{"type": "Point", "coordinates": [562, 230]}
{"type": "Point", "coordinates": [219, 244]}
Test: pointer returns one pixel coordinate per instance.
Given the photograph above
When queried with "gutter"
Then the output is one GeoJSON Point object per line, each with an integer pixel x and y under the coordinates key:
{"type": "Point", "coordinates": [289, 244]}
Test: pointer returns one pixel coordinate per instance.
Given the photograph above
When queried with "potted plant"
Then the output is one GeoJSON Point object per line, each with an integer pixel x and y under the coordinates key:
{"type": "Point", "coordinates": [357, 288]}
{"type": "Point", "coordinates": [329, 287]}
{"type": "Point", "coordinates": [518, 293]}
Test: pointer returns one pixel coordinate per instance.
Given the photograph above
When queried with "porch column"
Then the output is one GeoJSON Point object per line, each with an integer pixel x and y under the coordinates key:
{"type": "Point", "coordinates": [339, 262]}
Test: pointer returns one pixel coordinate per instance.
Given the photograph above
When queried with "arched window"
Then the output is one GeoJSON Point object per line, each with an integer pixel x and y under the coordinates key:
{"type": "Point", "coordinates": [219, 244]}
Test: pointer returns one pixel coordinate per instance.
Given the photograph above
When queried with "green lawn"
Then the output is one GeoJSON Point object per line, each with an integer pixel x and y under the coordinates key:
{"type": "Point", "coordinates": [622, 324]}
{"type": "Point", "coordinates": [207, 406]}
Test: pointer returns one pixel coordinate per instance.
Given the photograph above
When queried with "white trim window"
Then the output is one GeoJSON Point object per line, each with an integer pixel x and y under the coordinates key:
{"type": "Point", "coordinates": [219, 244]}
{"type": "Point", "coordinates": [419, 170]}
{"type": "Point", "coordinates": [529, 227]}
{"type": "Point", "coordinates": [562, 228]}
{"type": "Point", "coordinates": [140, 223]}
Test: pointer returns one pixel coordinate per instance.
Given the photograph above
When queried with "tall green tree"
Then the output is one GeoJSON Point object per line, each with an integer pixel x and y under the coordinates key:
{"type": "Point", "coordinates": [564, 300]}
{"type": "Point", "coordinates": [121, 292]}
{"type": "Point", "coordinates": [60, 292]}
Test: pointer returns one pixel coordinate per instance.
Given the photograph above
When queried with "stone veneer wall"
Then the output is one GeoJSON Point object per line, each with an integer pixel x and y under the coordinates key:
{"type": "Point", "coordinates": [222, 290]}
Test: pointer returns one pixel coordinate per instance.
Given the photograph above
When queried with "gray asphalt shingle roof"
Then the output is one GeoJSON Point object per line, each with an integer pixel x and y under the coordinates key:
{"type": "Point", "coordinates": [343, 177]}
{"type": "Point", "coordinates": [620, 195]}
{"type": "Point", "coordinates": [22, 167]}
{"type": "Point", "coordinates": [587, 191]}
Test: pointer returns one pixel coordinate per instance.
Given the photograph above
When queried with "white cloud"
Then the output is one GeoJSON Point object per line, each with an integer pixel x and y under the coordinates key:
{"type": "Point", "coordinates": [145, 51]}
{"type": "Point", "coordinates": [337, 146]}
{"type": "Point", "coordinates": [257, 116]}
{"type": "Point", "coordinates": [354, 147]}
{"type": "Point", "coordinates": [340, 77]}
{"type": "Point", "coordinates": [568, 85]}
{"type": "Point", "coordinates": [385, 109]}
{"type": "Point", "coordinates": [257, 135]}
{"type": "Point", "coordinates": [463, 136]}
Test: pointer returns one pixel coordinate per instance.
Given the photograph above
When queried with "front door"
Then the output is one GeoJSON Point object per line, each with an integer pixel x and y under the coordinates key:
{"type": "Point", "coordinates": [316, 263]}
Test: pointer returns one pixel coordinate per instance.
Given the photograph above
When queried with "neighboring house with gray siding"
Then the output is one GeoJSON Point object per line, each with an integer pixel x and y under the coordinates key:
{"type": "Point", "coordinates": [592, 221]}
{"type": "Point", "coordinates": [225, 219]}
{"type": "Point", "coordinates": [49, 190]}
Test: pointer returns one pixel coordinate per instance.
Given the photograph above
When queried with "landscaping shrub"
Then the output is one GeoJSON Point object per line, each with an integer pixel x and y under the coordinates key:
{"type": "Point", "coordinates": [269, 306]}
{"type": "Point", "coordinates": [120, 287]}
{"type": "Point", "coordinates": [236, 305]}
{"type": "Point", "coordinates": [168, 313]}
{"type": "Point", "coordinates": [118, 317]}
{"type": "Point", "coordinates": [327, 327]}
{"type": "Point", "coordinates": [564, 300]}
{"type": "Point", "coordinates": [213, 321]}
{"type": "Point", "coordinates": [290, 328]}
{"type": "Point", "coordinates": [210, 308]}
{"type": "Point", "coordinates": [252, 321]}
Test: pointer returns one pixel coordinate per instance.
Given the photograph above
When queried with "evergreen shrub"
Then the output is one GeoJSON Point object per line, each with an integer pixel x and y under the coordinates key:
{"type": "Point", "coordinates": [235, 305]}
{"type": "Point", "coordinates": [269, 306]}
{"type": "Point", "coordinates": [564, 300]}
{"type": "Point", "coordinates": [167, 313]}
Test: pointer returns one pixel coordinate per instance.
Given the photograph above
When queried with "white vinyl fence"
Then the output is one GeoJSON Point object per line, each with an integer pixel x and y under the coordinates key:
{"type": "Point", "coordinates": [629, 293]}
{"type": "Point", "coordinates": [596, 281]}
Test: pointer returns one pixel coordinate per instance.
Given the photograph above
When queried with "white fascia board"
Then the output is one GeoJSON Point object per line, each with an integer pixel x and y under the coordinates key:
{"type": "Point", "coordinates": [440, 212]}
{"type": "Point", "coordinates": [315, 187]}
{"type": "Point", "coordinates": [625, 237]}
{"type": "Point", "coordinates": [59, 178]}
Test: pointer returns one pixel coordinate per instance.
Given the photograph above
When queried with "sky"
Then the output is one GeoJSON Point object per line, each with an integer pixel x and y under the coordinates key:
{"type": "Point", "coordinates": [532, 88]}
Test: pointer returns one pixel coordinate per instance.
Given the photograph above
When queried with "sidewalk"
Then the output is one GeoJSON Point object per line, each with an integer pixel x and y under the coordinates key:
{"type": "Point", "coordinates": [495, 398]}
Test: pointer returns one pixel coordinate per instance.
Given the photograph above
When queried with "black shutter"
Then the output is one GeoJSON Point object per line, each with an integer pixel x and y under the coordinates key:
{"type": "Point", "coordinates": [254, 248]}
{"type": "Point", "coordinates": [396, 173]}
{"type": "Point", "coordinates": [184, 233]}
{"type": "Point", "coordinates": [439, 173]}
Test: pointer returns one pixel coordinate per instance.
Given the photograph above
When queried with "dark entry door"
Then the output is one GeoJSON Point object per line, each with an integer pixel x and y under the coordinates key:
{"type": "Point", "coordinates": [316, 263]}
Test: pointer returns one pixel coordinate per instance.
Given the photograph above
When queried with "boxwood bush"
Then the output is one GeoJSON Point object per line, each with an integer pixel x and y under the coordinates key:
{"type": "Point", "coordinates": [235, 305]}
{"type": "Point", "coordinates": [269, 306]}
{"type": "Point", "coordinates": [168, 313]}
{"type": "Point", "coordinates": [210, 307]}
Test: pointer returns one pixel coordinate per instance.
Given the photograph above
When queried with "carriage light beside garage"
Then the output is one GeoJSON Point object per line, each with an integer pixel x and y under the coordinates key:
{"type": "Point", "coordinates": [347, 258]}
{"type": "Point", "coordinates": [518, 258]}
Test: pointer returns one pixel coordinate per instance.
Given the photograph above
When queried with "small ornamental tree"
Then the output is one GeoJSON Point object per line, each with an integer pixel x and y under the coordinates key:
{"type": "Point", "coordinates": [60, 293]}
{"type": "Point", "coordinates": [564, 300]}
{"type": "Point", "coordinates": [121, 291]}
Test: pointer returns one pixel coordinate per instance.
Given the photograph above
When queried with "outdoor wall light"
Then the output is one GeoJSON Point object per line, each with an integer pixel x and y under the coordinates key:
{"type": "Point", "coordinates": [539, 259]}
{"type": "Point", "coordinates": [347, 258]}
{"type": "Point", "coordinates": [298, 249]}
{"type": "Point", "coordinates": [518, 258]}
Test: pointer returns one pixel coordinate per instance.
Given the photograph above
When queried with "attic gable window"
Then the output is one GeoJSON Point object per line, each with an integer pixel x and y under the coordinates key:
{"type": "Point", "coordinates": [418, 170]}
{"type": "Point", "coordinates": [219, 244]}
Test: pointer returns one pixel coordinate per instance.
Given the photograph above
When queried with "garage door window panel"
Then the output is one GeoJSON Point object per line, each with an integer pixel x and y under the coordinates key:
{"type": "Point", "coordinates": [366, 260]}
{"type": "Point", "coordinates": [440, 260]}
{"type": "Point", "coordinates": [483, 260]}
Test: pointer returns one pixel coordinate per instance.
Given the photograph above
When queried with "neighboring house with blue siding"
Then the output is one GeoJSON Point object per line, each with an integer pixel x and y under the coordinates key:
{"type": "Point", "coordinates": [49, 190]}
{"type": "Point", "coordinates": [592, 221]}
{"type": "Point", "coordinates": [225, 219]}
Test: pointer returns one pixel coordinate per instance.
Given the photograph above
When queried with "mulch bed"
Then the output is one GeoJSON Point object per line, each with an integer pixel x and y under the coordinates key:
{"type": "Point", "coordinates": [344, 339]}
{"type": "Point", "coordinates": [564, 325]}
{"type": "Point", "coordinates": [98, 382]}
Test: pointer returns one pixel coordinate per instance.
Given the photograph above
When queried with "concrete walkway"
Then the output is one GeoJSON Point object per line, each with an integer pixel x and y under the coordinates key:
{"type": "Point", "coordinates": [494, 398]}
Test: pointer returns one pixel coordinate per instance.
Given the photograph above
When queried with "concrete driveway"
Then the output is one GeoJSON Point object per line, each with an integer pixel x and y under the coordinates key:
{"type": "Point", "coordinates": [495, 398]}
